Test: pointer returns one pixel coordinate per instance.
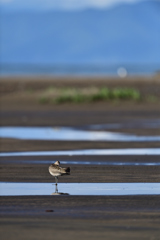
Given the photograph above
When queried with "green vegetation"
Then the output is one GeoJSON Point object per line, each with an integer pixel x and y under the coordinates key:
{"type": "Point", "coordinates": [101, 95]}
{"type": "Point", "coordinates": [44, 100]}
{"type": "Point", "coordinates": [116, 94]}
{"type": "Point", "coordinates": [73, 95]}
{"type": "Point", "coordinates": [76, 98]}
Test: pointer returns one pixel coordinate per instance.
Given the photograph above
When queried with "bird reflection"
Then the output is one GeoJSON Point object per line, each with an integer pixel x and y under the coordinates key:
{"type": "Point", "coordinates": [58, 193]}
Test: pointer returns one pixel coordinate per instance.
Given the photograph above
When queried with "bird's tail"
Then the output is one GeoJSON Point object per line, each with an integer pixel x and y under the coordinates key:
{"type": "Point", "coordinates": [67, 170]}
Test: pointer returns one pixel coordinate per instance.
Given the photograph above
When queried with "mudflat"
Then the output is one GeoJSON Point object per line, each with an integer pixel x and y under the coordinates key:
{"type": "Point", "coordinates": [87, 217]}
{"type": "Point", "coordinates": [40, 217]}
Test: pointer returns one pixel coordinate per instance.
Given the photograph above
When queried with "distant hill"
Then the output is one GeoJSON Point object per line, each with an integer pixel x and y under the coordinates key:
{"type": "Point", "coordinates": [127, 33]}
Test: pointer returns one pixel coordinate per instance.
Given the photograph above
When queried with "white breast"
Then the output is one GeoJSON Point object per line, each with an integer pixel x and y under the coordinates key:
{"type": "Point", "coordinates": [54, 172]}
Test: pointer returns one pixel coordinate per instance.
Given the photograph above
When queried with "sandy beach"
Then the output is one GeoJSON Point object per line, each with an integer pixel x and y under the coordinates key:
{"type": "Point", "coordinates": [87, 217]}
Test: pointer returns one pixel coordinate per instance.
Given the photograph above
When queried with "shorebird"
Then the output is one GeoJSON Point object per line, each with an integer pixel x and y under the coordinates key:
{"type": "Point", "coordinates": [55, 170]}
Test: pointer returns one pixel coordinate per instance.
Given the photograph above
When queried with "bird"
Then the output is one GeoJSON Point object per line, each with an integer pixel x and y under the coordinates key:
{"type": "Point", "coordinates": [55, 170]}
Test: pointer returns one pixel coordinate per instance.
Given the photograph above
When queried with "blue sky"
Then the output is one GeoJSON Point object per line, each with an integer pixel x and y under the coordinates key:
{"type": "Point", "coordinates": [62, 4]}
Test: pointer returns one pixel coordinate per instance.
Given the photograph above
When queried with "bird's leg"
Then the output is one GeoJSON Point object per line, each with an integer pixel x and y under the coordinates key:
{"type": "Point", "coordinates": [56, 178]}
{"type": "Point", "coordinates": [56, 189]}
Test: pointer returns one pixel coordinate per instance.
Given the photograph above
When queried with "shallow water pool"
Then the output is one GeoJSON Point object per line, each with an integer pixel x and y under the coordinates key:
{"type": "Point", "coordinates": [70, 134]}
{"type": "Point", "coordinates": [86, 152]}
{"type": "Point", "coordinates": [106, 189]}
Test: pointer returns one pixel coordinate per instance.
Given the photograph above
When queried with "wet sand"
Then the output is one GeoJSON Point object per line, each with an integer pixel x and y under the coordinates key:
{"type": "Point", "coordinates": [30, 172]}
{"type": "Point", "coordinates": [87, 217]}
{"type": "Point", "coordinates": [48, 217]}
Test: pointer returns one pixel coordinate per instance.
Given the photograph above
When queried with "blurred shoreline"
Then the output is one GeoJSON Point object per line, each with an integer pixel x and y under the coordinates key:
{"type": "Point", "coordinates": [83, 69]}
{"type": "Point", "coordinates": [77, 80]}
{"type": "Point", "coordinates": [20, 99]}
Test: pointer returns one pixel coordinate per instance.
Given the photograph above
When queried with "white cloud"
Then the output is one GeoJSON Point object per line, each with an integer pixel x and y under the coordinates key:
{"type": "Point", "coordinates": [64, 4]}
{"type": "Point", "coordinates": [74, 4]}
{"type": "Point", "coordinates": [96, 3]}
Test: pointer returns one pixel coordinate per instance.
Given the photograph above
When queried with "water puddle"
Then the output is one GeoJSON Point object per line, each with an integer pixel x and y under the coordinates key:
{"type": "Point", "coordinates": [70, 134]}
{"type": "Point", "coordinates": [106, 189]}
{"type": "Point", "coordinates": [151, 124]}
{"type": "Point", "coordinates": [87, 152]}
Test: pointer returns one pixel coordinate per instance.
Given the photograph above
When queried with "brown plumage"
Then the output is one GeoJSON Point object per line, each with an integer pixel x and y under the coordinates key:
{"type": "Point", "coordinates": [55, 170]}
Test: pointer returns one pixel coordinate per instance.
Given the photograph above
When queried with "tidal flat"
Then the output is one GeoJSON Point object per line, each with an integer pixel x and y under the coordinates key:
{"type": "Point", "coordinates": [71, 216]}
